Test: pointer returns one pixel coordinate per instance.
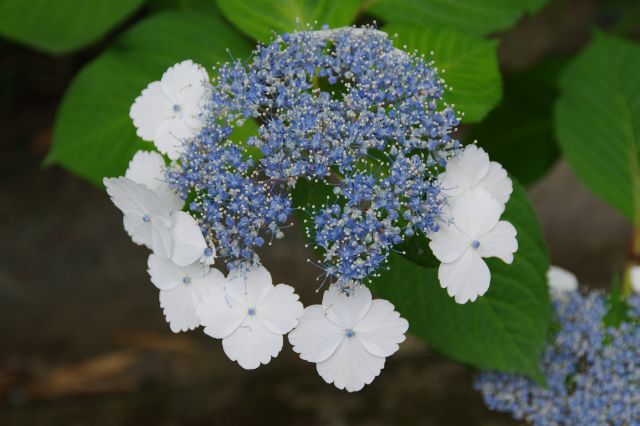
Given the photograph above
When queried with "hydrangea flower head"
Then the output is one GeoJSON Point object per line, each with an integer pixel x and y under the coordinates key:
{"type": "Point", "coordinates": [341, 110]}
{"type": "Point", "coordinates": [592, 372]}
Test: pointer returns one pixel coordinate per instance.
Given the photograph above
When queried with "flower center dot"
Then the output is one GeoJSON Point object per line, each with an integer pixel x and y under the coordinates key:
{"type": "Point", "coordinates": [251, 312]}
{"type": "Point", "coordinates": [349, 333]}
{"type": "Point", "coordinates": [176, 108]}
{"type": "Point", "coordinates": [146, 218]}
{"type": "Point", "coordinates": [186, 280]}
{"type": "Point", "coordinates": [475, 244]}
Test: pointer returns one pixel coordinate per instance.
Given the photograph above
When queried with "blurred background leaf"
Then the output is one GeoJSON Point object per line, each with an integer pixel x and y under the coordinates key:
{"type": "Point", "coordinates": [503, 330]}
{"type": "Point", "coordinates": [259, 18]}
{"type": "Point", "coordinates": [470, 64]}
{"type": "Point", "coordinates": [61, 26]}
{"type": "Point", "coordinates": [597, 120]}
{"type": "Point", "coordinates": [519, 132]}
{"type": "Point", "coordinates": [93, 135]}
{"type": "Point", "coordinates": [478, 17]}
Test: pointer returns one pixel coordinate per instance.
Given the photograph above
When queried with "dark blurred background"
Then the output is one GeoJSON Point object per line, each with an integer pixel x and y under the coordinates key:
{"type": "Point", "coordinates": [82, 336]}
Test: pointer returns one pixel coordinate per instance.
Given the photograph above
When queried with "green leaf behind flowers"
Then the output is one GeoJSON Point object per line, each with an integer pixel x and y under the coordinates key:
{"type": "Point", "coordinates": [470, 64]}
{"type": "Point", "coordinates": [477, 17]}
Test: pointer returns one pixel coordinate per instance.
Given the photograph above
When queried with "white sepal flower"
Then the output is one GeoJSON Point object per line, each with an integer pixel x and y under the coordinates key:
{"type": "Point", "coordinates": [349, 337]}
{"type": "Point", "coordinates": [147, 217]}
{"type": "Point", "coordinates": [476, 232]}
{"type": "Point", "coordinates": [250, 315]}
{"type": "Point", "coordinates": [147, 168]}
{"type": "Point", "coordinates": [169, 111]}
{"type": "Point", "coordinates": [188, 242]}
{"type": "Point", "coordinates": [182, 289]}
{"type": "Point", "coordinates": [561, 282]}
{"type": "Point", "coordinates": [634, 276]}
{"type": "Point", "coordinates": [472, 168]}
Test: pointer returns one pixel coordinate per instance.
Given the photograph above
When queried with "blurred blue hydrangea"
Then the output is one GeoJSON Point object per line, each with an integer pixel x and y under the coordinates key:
{"type": "Point", "coordinates": [342, 107]}
{"type": "Point", "coordinates": [592, 372]}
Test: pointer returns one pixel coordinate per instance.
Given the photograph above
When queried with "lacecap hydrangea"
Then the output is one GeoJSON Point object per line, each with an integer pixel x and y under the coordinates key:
{"type": "Point", "coordinates": [591, 370]}
{"type": "Point", "coordinates": [341, 111]}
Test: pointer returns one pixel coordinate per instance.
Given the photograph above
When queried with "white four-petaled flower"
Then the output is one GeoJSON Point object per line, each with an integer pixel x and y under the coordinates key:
{"type": "Point", "coordinates": [476, 232]}
{"type": "Point", "coordinates": [561, 282]}
{"type": "Point", "coordinates": [250, 315]}
{"type": "Point", "coordinates": [349, 337]}
{"type": "Point", "coordinates": [169, 111]}
{"type": "Point", "coordinates": [182, 289]}
{"type": "Point", "coordinates": [471, 169]}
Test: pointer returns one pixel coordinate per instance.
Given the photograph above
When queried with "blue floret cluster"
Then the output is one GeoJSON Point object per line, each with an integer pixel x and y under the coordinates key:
{"type": "Point", "coordinates": [592, 372]}
{"type": "Point", "coordinates": [342, 108]}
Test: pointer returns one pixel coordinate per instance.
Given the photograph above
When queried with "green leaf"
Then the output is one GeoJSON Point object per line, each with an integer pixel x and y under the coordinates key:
{"type": "Point", "coordinates": [477, 17]}
{"type": "Point", "coordinates": [258, 18]}
{"type": "Point", "coordinates": [519, 132]}
{"type": "Point", "coordinates": [506, 328]}
{"type": "Point", "coordinates": [597, 120]}
{"type": "Point", "coordinates": [60, 26]}
{"type": "Point", "coordinates": [470, 64]}
{"type": "Point", "coordinates": [93, 135]}
{"type": "Point", "coordinates": [207, 6]}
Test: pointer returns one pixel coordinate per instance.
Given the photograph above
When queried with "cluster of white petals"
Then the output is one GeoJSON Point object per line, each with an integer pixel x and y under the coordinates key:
{"type": "Point", "coordinates": [478, 190]}
{"type": "Point", "coordinates": [169, 111]}
{"type": "Point", "coordinates": [349, 337]}
{"type": "Point", "coordinates": [153, 218]}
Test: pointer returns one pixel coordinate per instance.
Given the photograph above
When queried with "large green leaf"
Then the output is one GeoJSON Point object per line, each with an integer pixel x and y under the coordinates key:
{"type": "Point", "coordinates": [598, 120]}
{"type": "Point", "coordinates": [470, 64]}
{"type": "Point", "coordinates": [476, 17]}
{"type": "Point", "coordinates": [258, 18]}
{"type": "Point", "coordinates": [506, 328]}
{"type": "Point", "coordinates": [93, 135]}
{"type": "Point", "coordinates": [59, 26]}
{"type": "Point", "coordinates": [519, 132]}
